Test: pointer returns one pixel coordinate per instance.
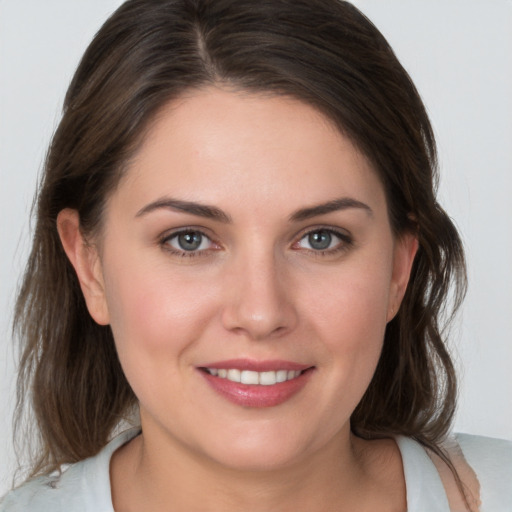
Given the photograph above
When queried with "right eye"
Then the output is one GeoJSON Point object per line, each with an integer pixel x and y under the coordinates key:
{"type": "Point", "coordinates": [187, 242]}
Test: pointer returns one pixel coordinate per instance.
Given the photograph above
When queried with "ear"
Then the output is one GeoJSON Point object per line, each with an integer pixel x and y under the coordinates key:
{"type": "Point", "coordinates": [86, 262]}
{"type": "Point", "coordinates": [406, 247]}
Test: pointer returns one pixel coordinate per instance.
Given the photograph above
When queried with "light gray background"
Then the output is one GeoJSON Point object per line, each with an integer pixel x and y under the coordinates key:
{"type": "Point", "coordinates": [459, 53]}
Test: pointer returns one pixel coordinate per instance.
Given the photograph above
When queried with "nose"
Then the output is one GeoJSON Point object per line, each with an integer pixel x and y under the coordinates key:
{"type": "Point", "coordinates": [259, 298]}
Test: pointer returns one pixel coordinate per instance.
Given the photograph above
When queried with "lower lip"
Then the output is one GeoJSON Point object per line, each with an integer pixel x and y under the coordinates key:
{"type": "Point", "coordinates": [257, 395]}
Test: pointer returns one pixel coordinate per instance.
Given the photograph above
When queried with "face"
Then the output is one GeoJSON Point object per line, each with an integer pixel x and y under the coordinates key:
{"type": "Point", "coordinates": [248, 269]}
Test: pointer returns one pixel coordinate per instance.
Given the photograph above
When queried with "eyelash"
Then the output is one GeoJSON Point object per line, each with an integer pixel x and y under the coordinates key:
{"type": "Point", "coordinates": [164, 243]}
{"type": "Point", "coordinates": [346, 242]}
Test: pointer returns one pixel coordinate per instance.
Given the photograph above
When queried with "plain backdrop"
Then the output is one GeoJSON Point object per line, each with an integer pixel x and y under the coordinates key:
{"type": "Point", "coordinates": [458, 52]}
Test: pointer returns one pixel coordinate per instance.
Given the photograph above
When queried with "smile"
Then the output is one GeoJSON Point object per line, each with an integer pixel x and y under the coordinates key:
{"type": "Point", "coordinates": [268, 378]}
{"type": "Point", "coordinates": [256, 384]}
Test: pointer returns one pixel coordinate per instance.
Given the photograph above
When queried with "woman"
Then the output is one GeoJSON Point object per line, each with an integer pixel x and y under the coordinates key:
{"type": "Point", "coordinates": [238, 239]}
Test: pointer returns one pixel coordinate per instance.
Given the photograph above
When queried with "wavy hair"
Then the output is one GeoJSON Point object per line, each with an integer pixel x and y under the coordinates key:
{"type": "Point", "coordinates": [149, 52]}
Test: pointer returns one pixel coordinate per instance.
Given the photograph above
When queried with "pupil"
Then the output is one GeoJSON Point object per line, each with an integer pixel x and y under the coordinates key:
{"type": "Point", "coordinates": [189, 241]}
{"type": "Point", "coordinates": [320, 240]}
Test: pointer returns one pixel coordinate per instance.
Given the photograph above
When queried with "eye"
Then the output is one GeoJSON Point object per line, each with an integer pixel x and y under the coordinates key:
{"type": "Point", "coordinates": [324, 240]}
{"type": "Point", "coordinates": [189, 241]}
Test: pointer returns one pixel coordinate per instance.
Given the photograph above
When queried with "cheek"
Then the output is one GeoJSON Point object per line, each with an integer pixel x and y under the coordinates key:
{"type": "Point", "coordinates": [157, 318]}
{"type": "Point", "coordinates": [353, 309]}
{"type": "Point", "coordinates": [350, 319]}
{"type": "Point", "coordinates": [155, 311]}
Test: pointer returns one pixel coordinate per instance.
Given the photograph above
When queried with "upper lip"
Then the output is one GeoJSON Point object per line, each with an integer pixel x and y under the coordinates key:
{"type": "Point", "coordinates": [257, 366]}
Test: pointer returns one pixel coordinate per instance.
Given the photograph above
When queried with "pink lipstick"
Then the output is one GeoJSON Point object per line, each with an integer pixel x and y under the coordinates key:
{"type": "Point", "coordinates": [252, 383]}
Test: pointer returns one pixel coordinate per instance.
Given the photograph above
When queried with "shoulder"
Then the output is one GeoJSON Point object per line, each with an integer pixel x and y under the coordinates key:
{"type": "Point", "coordinates": [483, 464]}
{"type": "Point", "coordinates": [487, 452]}
{"type": "Point", "coordinates": [45, 493]}
{"type": "Point", "coordinates": [491, 460]}
{"type": "Point", "coordinates": [84, 486]}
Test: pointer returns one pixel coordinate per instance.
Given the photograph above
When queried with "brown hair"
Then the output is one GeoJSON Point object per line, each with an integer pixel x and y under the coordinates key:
{"type": "Point", "coordinates": [323, 52]}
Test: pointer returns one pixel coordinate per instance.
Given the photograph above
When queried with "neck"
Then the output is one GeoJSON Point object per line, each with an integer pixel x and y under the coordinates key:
{"type": "Point", "coordinates": [159, 474]}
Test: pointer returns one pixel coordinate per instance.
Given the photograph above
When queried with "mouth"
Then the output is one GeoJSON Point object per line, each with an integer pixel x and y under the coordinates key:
{"type": "Point", "coordinates": [257, 384]}
{"type": "Point", "coordinates": [250, 377]}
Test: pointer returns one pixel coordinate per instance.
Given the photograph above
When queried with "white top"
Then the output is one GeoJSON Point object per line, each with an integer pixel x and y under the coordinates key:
{"type": "Point", "coordinates": [85, 486]}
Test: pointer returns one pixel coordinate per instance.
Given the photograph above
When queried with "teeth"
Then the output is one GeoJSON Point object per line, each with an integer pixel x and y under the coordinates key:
{"type": "Point", "coordinates": [250, 377]}
{"type": "Point", "coordinates": [281, 375]}
{"type": "Point", "coordinates": [268, 378]}
{"type": "Point", "coordinates": [234, 375]}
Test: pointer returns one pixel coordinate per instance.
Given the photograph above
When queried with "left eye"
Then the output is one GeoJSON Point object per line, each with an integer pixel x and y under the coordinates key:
{"type": "Point", "coordinates": [189, 241]}
{"type": "Point", "coordinates": [320, 240]}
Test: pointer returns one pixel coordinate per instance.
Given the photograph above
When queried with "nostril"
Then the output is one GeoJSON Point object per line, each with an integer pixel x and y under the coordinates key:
{"type": "Point", "coordinates": [256, 305]}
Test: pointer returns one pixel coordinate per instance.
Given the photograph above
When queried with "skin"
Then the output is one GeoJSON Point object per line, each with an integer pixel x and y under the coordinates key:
{"type": "Point", "coordinates": [256, 289]}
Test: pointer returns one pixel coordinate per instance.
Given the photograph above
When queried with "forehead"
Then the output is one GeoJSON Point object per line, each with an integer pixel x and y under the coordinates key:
{"type": "Point", "coordinates": [226, 147]}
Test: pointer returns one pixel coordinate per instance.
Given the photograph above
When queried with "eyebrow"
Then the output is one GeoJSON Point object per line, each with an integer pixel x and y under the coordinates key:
{"type": "Point", "coordinates": [214, 213]}
{"type": "Point", "coordinates": [343, 203]}
{"type": "Point", "coordinates": [201, 210]}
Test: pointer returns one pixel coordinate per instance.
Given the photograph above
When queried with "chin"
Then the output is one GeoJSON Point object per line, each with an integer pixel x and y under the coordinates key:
{"type": "Point", "coordinates": [260, 451]}
{"type": "Point", "coordinates": [258, 460]}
